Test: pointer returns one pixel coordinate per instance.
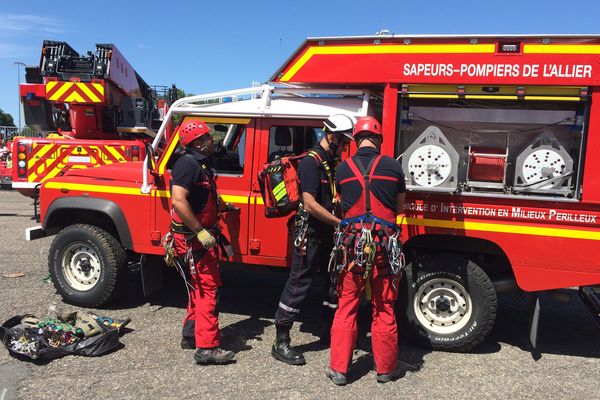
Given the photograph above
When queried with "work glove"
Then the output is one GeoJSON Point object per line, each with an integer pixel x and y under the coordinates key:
{"type": "Point", "coordinates": [206, 239]}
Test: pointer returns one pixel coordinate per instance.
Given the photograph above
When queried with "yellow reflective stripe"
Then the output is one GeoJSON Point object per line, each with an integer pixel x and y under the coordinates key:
{"type": "Point", "coordinates": [501, 228]}
{"type": "Point", "coordinates": [99, 87]}
{"type": "Point", "coordinates": [75, 97]}
{"type": "Point", "coordinates": [239, 121]}
{"type": "Point", "coordinates": [88, 92]}
{"type": "Point", "coordinates": [115, 154]}
{"type": "Point", "coordinates": [33, 174]}
{"type": "Point", "coordinates": [561, 49]}
{"type": "Point", "coordinates": [168, 153]}
{"type": "Point", "coordinates": [279, 191]}
{"type": "Point", "coordinates": [54, 172]}
{"type": "Point", "coordinates": [226, 197]}
{"type": "Point", "coordinates": [484, 97]}
{"type": "Point", "coordinates": [553, 98]}
{"type": "Point", "coordinates": [50, 85]}
{"type": "Point", "coordinates": [387, 49]}
{"type": "Point", "coordinates": [94, 188]}
{"type": "Point", "coordinates": [65, 86]}
{"type": "Point", "coordinates": [490, 97]}
{"type": "Point", "coordinates": [40, 154]}
{"type": "Point", "coordinates": [433, 96]}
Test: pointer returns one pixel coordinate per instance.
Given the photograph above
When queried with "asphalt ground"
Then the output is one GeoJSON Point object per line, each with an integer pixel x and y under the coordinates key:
{"type": "Point", "coordinates": [151, 365]}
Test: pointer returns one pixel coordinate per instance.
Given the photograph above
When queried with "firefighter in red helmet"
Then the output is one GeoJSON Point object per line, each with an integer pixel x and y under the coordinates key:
{"type": "Point", "coordinates": [367, 252]}
{"type": "Point", "coordinates": [196, 205]}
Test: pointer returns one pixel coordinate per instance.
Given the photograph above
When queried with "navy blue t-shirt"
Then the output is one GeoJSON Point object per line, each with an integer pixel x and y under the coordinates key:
{"type": "Point", "coordinates": [313, 180]}
{"type": "Point", "coordinates": [188, 172]}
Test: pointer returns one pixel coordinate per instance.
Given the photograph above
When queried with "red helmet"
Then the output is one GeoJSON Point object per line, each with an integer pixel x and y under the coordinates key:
{"type": "Point", "coordinates": [366, 125]}
{"type": "Point", "coordinates": [192, 129]}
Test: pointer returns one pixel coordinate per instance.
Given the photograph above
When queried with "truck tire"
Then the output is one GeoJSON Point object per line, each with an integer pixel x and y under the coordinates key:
{"type": "Point", "coordinates": [84, 263]}
{"type": "Point", "coordinates": [446, 302]}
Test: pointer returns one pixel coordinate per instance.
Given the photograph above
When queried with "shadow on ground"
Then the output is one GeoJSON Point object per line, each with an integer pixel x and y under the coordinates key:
{"type": "Point", "coordinates": [565, 326]}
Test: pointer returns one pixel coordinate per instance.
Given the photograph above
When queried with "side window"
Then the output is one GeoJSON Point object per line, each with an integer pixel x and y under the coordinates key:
{"type": "Point", "coordinates": [230, 146]}
{"type": "Point", "coordinates": [289, 140]}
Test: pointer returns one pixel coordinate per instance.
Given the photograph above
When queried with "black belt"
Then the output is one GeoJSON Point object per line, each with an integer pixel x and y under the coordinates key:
{"type": "Point", "coordinates": [179, 227]}
{"type": "Point", "coordinates": [222, 241]}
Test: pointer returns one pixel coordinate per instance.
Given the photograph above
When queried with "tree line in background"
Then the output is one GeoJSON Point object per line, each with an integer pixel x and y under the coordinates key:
{"type": "Point", "coordinates": [6, 119]}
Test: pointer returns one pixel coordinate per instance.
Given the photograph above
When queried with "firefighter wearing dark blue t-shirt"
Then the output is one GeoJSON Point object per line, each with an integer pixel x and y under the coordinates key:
{"type": "Point", "coordinates": [196, 204]}
{"type": "Point", "coordinates": [315, 222]}
{"type": "Point", "coordinates": [367, 252]}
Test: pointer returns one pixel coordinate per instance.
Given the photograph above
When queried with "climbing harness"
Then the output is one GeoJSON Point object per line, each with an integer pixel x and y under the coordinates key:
{"type": "Point", "coordinates": [360, 238]}
{"type": "Point", "coordinates": [301, 218]}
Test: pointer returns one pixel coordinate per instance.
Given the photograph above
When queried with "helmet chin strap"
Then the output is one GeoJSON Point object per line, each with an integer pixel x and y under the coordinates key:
{"type": "Point", "coordinates": [332, 146]}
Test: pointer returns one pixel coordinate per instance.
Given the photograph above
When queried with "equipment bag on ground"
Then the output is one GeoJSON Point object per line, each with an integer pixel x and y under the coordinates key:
{"type": "Point", "coordinates": [85, 334]}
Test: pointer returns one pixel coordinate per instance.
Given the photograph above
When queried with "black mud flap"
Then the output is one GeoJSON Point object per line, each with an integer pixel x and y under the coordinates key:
{"type": "Point", "coordinates": [534, 323]}
{"type": "Point", "coordinates": [152, 279]}
{"type": "Point", "coordinates": [590, 296]}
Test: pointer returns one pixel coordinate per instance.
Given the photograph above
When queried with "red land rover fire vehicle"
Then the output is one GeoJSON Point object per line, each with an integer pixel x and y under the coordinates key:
{"type": "Point", "coordinates": [497, 136]}
{"type": "Point", "coordinates": [97, 107]}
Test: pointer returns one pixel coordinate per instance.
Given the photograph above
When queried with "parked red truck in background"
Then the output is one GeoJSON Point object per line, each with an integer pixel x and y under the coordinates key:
{"type": "Point", "coordinates": [499, 138]}
{"type": "Point", "coordinates": [96, 108]}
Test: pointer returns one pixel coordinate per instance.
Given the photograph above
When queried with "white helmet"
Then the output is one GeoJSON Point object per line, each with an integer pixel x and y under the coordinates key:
{"type": "Point", "coordinates": [341, 123]}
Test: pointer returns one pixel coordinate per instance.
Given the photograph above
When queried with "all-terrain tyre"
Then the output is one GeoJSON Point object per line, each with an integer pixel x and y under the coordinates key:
{"type": "Point", "coordinates": [84, 263]}
{"type": "Point", "coordinates": [446, 302]}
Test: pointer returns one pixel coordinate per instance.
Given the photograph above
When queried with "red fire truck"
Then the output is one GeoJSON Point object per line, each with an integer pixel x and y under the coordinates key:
{"type": "Point", "coordinates": [497, 136]}
{"type": "Point", "coordinates": [96, 107]}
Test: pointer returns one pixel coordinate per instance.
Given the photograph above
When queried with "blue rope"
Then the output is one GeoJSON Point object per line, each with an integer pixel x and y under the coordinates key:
{"type": "Point", "coordinates": [368, 219]}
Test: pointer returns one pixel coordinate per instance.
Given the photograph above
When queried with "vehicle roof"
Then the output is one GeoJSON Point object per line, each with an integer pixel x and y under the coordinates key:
{"type": "Point", "coordinates": [319, 45]}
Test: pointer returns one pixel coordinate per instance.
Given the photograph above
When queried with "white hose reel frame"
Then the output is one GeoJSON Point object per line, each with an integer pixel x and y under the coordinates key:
{"type": "Point", "coordinates": [544, 166]}
{"type": "Point", "coordinates": [431, 162]}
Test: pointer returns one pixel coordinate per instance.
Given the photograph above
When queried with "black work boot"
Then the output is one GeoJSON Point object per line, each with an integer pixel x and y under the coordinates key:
{"type": "Point", "coordinates": [282, 350]}
{"type": "Point", "coordinates": [215, 355]}
{"type": "Point", "coordinates": [392, 376]}
{"type": "Point", "coordinates": [336, 377]}
{"type": "Point", "coordinates": [188, 343]}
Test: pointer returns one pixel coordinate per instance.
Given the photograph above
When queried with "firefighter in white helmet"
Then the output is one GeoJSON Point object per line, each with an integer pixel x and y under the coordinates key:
{"type": "Point", "coordinates": [315, 222]}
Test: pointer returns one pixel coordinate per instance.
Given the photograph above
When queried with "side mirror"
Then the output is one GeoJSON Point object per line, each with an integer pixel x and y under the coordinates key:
{"type": "Point", "coordinates": [150, 159]}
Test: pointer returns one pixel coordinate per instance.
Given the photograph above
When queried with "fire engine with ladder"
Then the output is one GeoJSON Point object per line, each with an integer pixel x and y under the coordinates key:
{"type": "Point", "coordinates": [499, 138]}
{"type": "Point", "coordinates": [95, 109]}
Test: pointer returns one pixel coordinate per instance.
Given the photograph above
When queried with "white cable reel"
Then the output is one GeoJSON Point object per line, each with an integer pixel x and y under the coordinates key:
{"type": "Point", "coordinates": [429, 166]}
{"type": "Point", "coordinates": [431, 161]}
{"type": "Point", "coordinates": [541, 165]}
{"type": "Point", "coordinates": [544, 166]}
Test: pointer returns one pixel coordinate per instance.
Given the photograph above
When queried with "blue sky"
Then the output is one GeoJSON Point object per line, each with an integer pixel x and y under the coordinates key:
{"type": "Point", "coordinates": [205, 46]}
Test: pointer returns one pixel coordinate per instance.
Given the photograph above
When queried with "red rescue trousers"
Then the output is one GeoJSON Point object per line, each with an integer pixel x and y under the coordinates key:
{"type": "Point", "coordinates": [384, 332]}
{"type": "Point", "coordinates": [202, 306]}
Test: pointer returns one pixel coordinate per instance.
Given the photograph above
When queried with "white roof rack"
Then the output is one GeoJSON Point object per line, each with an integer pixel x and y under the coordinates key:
{"type": "Point", "coordinates": [266, 101]}
{"type": "Point", "coordinates": [272, 102]}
